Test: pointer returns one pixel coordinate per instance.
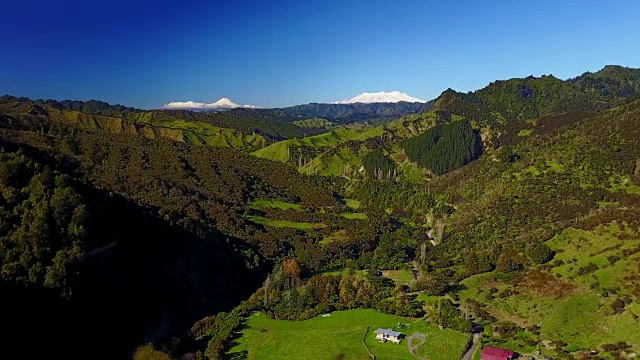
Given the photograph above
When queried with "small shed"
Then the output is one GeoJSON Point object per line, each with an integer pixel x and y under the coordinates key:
{"type": "Point", "coordinates": [492, 353]}
{"type": "Point", "coordinates": [388, 335]}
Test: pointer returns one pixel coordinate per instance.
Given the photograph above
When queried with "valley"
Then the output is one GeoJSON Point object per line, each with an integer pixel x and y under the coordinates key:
{"type": "Point", "coordinates": [510, 214]}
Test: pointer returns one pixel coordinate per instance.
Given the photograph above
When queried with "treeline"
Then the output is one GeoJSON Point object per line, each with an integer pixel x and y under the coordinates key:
{"type": "Point", "coordinates": [375, 241]}
{"type": "Point", "coordinates": [445, 147]}
{"type": "Point", "coordinates": [285, 296]}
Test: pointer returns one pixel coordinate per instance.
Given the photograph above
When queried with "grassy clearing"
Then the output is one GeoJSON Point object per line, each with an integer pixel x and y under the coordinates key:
{"type": "Point", "coordinates": [623, 184]}
{"type": "Point", "coordinates": [581, 320]}
{"type": "Point", "coordinates": [354, 204]}
{"type": "Point", "coordinates": [525, 132]}
{"type": "Point", "coordinates": [427, 299]}
{"type": "Point", "coordinates": [339, 336]}
{"type": "Point", "coordinates": [202, 133]}
{"type": "Point", "coordinates": [340, 235]}
{"type": "Point", "coordinates": [286, 223]}
{"type": "Point", "coordinates": [280, 151]}
{"type": "Point", "coordinates": [554, 166]}
{"type": "Point", "coordinates": [400, 277]}
{"type": "Point", "coordinates": [260, 204]}
{"type": "Point", "coordinates": [347, 271]}
{"type": "Point", "coordinates": [354, 216]}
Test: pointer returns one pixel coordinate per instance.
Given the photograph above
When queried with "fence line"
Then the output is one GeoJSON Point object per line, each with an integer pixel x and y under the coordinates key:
{"type": "Point", "coordinates": [364, 338]}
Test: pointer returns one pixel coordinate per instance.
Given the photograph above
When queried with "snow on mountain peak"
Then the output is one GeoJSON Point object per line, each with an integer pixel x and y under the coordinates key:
{"type": "Point", "coordinates": [220, 105]}
{"type": "Point", "coordinates": [381, 97]}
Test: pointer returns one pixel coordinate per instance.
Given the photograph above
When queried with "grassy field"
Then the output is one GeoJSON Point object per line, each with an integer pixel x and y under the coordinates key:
{"type": "Point", "coordinates": [577, 248]}
{"type": "Point", "coordinates": [202, 133]}
{"type": "Point", "coordinates": [581, 320]}
{"type": "Point", "coordinates": [339, 336]}
{"type": "Point", "coordinates": [354, 204]}
{"type": "Point", "coordinates": [260, 204]}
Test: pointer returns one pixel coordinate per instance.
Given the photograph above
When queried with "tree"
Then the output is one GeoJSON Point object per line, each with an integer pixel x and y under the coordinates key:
{"type": "Point", "coordinates": [540, 253]}
{"type": "Point", "coordinates": [430, 284]}
{"type": "Point", "coordinates": [508, 262]}
{"type": "Point", "coordinates": [291, 268]}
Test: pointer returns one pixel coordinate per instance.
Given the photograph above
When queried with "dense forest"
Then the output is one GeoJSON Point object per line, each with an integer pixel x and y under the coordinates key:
{"type": "Point", "coordinates": [377, 165]}
{"type": "Point", "coordinates": [445, 147]}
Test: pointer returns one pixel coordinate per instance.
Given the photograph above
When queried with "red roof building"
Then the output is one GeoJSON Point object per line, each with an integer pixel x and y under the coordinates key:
{"type": "Point", "coordinates": [491, 353]}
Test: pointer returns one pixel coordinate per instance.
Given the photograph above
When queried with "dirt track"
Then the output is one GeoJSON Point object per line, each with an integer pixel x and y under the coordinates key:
{"type": "Point", "coordinates": [412, 349]}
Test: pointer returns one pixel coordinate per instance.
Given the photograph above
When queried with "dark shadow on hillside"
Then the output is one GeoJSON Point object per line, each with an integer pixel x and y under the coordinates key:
{"type": "Point", "coordinates": [156, 280]}
{"type": "Point", "coordinates": [240, 355]}
{"type": "Point", "coordinates": [457, 288]}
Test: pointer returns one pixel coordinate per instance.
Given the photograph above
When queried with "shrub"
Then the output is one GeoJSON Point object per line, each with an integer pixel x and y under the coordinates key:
{"type": "Point", "coordinates": [618, 306]}
{"type": "Point", "coordinates": [507, 263]}
{"type": "Point", "coordinates": [613, 259]}
{"type": "Point", "coordinates": [588, 269]}
{"type": "Point", "coordinates": [148, 352]}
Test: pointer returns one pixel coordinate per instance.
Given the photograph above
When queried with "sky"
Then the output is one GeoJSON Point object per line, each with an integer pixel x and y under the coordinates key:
{"type": "Point", "coordinates": [279, 53]}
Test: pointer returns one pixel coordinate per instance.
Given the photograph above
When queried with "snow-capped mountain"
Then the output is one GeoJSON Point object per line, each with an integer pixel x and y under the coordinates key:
{"type": "Point", "coordinates": [220, 105]}
{"type": "Point", "coordinates": [381, 97]}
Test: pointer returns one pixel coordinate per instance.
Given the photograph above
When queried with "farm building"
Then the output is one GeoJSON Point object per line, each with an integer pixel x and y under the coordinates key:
{"type": "Point", "coordinates": [491, 353]}
{"type": "Point", "coordinates": [388, 335]}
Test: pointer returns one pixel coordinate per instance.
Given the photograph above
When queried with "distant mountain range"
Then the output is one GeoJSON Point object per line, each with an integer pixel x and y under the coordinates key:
{"type": "Point", "coordinates": [372, 107]}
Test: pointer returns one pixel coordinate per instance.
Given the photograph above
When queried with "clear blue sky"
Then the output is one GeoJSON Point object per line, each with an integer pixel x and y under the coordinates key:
{"type": "Point", "coordinates": [279, 53]}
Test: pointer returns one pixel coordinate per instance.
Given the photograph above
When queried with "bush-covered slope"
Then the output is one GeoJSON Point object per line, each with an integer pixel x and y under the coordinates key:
{"type": "Point", "coordinates": [531, 97]}
{"type": "Point", "coordinates": [504, 199]}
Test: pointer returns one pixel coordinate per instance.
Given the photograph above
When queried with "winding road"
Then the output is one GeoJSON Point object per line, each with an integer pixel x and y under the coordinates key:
{"type": "Point", "coordinates": [474, 345]}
